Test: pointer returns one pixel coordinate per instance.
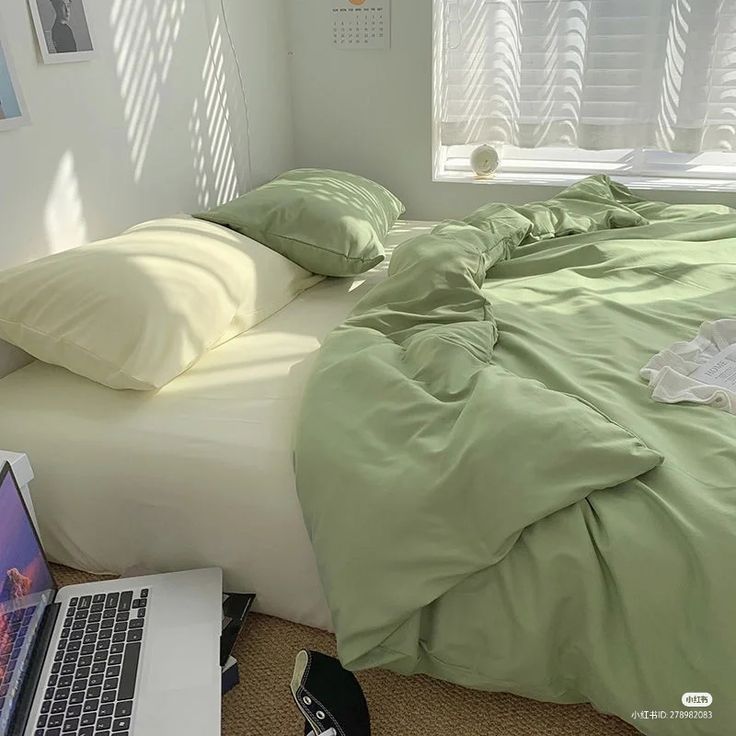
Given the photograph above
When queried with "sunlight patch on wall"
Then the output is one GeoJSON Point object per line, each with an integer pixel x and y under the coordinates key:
{"type": "Point", "coordinates": [64, 213]}
{"type": "Point", "coordinates": [215, 125]}
{"type": "Point", "coordinates": [144, 35]}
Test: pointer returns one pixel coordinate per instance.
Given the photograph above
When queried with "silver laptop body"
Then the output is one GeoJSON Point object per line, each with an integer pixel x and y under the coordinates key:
{"type": "Point", "coordinates": [128, 657]}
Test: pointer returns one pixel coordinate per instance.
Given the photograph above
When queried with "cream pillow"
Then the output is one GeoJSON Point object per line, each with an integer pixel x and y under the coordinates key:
{"type": "Point", "coordinates": [135, 311]}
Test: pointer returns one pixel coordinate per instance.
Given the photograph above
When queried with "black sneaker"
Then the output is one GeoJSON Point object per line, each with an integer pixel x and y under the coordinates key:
{"type": "Point", "coordinates": [329, 697]}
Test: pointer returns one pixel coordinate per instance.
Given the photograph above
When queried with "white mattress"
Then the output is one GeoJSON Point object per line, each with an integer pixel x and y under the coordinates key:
{"type": "Point", "coordinates": [197, 474]}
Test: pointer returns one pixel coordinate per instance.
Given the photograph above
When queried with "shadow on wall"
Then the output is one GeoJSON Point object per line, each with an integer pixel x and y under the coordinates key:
{"type": "Point", "coordinates": [150, 41]}
{"type": "Point", "coordinates": [217, 139]}
{"type": "Point", "coordinates": [144, 37]}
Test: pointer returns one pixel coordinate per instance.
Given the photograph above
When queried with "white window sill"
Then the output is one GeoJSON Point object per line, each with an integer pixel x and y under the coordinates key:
{"type": "Point", "coordinates": [564, 180]}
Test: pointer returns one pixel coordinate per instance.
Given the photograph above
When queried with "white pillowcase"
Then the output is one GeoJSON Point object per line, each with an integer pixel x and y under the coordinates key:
{"type": "Point", "coordinates": [135, 311]}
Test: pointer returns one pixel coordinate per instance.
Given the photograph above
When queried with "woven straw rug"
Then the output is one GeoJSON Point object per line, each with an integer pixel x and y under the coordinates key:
{"type": "Point", "coordinates": [400, 706]}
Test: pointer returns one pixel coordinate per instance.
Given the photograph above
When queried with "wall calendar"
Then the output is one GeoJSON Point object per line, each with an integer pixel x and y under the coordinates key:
{"type": "Point", "coordinates": [361, 24]}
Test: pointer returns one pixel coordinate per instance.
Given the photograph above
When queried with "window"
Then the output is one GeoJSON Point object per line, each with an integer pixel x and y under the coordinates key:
{"type": "Point", "coordinates": [562, 88]}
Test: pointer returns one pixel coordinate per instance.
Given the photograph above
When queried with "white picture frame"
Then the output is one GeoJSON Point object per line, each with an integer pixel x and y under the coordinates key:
{"type": "Point", "coordinates": [13, 112]}
{"type": "Point", "coordinates": [62, 30]}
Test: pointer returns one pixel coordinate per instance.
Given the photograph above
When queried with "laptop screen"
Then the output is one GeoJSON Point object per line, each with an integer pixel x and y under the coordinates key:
{"type": "Point", "coordinates": [26, 589]}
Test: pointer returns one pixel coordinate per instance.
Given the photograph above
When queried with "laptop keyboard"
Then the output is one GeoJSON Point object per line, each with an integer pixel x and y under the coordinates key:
{"type": "Point", "coordinates": [91, 688]}
{"type": "Point", "coordinates": [13, 632]}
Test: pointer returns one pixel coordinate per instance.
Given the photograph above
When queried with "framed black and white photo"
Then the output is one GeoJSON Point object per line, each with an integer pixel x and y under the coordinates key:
{"type": "Point", "coordinates": [12, 107]}
{"type": "Point", "coordinates": [62, 29]}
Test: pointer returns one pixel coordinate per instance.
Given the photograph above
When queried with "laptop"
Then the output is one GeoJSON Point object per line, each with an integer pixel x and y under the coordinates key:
{"type": "Point", "coordinates": [128, 657]}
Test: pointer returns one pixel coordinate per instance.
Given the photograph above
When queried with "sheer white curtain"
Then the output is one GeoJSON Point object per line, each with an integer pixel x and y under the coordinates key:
{"type": "Point", "coordinates": [591, 74]}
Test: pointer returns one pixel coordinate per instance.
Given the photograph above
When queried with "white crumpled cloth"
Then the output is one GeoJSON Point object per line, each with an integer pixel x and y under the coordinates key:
{"type": "Point", "coordinates": [669, 371]}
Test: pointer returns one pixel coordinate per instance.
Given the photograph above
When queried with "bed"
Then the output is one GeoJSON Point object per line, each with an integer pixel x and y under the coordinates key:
{"type": "Point", "coordinates": [199, 473]}
{"type": "Point", "coordinates": [515, 512]}
{"type": "Point", "coordinates": [491, 496]}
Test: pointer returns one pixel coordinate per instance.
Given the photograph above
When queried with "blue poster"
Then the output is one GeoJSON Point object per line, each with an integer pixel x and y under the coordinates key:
{"type": "Point", "coordinates": [10, 106]}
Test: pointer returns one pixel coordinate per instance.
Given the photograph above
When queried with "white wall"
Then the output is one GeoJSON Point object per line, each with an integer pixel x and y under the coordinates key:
{"type": "Point", "coordinates": [369, 112]}
{"type": "Point", "coordinates": [106, 149]}
{"type": "Point", "coordinates": [152, 125]}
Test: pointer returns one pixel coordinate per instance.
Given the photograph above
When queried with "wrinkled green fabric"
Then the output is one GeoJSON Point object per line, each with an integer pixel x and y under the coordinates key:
{"type": "Point", "coordinates": [473, 466]}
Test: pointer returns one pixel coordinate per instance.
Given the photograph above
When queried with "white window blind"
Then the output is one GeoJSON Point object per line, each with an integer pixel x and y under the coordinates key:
{"type": "Point", "coordinates": [587, 74]}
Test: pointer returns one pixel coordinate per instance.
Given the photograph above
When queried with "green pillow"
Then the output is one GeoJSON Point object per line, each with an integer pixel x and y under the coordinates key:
{"type": "Point", "coordinates": [329, 222]}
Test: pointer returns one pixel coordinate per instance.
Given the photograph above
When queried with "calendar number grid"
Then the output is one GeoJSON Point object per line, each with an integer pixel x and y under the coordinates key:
{"type": "Point", "coordinates": [361, 27]}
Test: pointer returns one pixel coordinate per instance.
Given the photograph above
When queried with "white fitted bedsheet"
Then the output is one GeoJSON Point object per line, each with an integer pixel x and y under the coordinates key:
{"type": "Point", "coordinates": [199, 473]}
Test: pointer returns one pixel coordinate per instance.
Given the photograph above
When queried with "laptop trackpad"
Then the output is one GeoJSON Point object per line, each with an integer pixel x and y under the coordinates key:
{"type": "Point", "coordinates": [180, 657]}
{"type": "Point", "coordinates": [179, 690]}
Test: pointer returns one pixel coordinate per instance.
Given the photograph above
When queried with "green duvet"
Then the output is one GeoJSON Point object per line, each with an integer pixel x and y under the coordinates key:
{"type": "Point", "coordinates": [492, 495]}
